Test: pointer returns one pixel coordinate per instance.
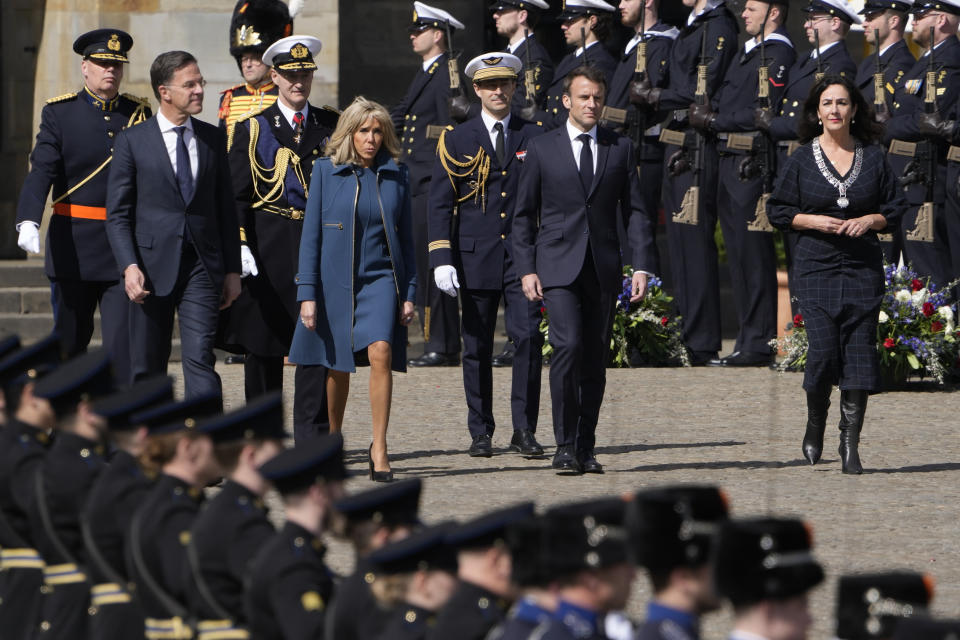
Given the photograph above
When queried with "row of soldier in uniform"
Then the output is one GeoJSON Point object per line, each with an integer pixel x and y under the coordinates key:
{"type": "Point", "coordinates": [106, 533]}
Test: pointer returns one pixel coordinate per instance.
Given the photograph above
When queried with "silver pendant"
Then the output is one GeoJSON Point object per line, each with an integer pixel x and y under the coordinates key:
{"type": "Point", "coordinates": [842, 202]}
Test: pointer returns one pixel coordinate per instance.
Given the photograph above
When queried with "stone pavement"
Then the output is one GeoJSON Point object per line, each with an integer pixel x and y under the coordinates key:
{"type": "Point", "coordinates": [739, 429]}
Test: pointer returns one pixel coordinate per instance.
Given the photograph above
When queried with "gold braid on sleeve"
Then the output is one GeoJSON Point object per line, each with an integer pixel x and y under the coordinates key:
{"type": "Point", "coordinates": [480, 164]}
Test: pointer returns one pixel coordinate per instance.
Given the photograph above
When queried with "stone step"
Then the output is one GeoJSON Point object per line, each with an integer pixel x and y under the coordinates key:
{"type": "Point", "coordinates": [26, 300]}
{"type": "Point", "coordinates": [33, 326]}
{"type": "Point", "coordinates": [23, 273]}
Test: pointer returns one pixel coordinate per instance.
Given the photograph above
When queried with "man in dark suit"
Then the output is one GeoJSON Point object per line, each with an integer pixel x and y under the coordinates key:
{"type": "Point", "coordinates": [476, 174]}
{"type": "Point", "coordinates": [172, 227]}
{"type": "Point", "coordinates": [573, 181]}
{"type": "Point", "coordinates": [419, 118]}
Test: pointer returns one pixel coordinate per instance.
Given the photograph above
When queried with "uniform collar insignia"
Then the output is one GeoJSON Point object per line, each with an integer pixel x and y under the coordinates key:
{"type": "Point", "coordinates": [276, 121]}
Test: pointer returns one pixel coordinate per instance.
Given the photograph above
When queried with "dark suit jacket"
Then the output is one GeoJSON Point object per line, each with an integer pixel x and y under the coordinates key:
{"type": "Point", "coordinates": [147, 219]}
{"type": "Point", "coordinates": [477, 237]}
{"type": "Point", "coordinates": [571, 220]}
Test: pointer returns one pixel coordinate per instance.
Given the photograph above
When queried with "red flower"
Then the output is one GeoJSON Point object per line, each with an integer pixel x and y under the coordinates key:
{"type": "Point", "coordinates": [798, 320]}
{"type": "Point", "coordinates": [889, 343]}
{"type": "Point", "coordinates": [929, 309]}
{"type": "Point", "coordinates": [543, 309]}
{"type": "Point", "coordinates": [664, 320]}
{"type": "Point", "coordinates": [936, 326]}
{"type": "Point", "coordinates": [917, 284]}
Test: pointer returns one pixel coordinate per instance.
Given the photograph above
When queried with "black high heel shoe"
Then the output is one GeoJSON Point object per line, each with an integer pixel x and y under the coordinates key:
{"type": "Point", "coordinates": [377, 476]}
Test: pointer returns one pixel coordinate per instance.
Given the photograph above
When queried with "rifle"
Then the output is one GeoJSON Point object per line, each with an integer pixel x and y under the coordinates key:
{"type": "Point", "coordinates": [923, 229]}
{"type": "Point", "coordinates": [879, 97]}
{"type": "Point", "coordinates": [639, 73]}
{"type": "Point", "coordinates": [530, 74]}
{"type": "Point", "coordinates": [690, 206]}
{"type": "Point", "coordinates": [767, 154]}
{"type": "Point", "coordinates": [459, 104]}
{"type": "Point", "coordinates": [816, 42]}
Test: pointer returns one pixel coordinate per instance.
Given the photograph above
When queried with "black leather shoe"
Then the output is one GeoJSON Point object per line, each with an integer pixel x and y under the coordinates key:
{"type": "Point", "coordinates": [525, 443]}
{"type": "Point", "coordinates": [504, 358]}
{"type": "Point", "coordinates": [564, 461]}
{"type": "Point", "coordinates": [701, 358]}
{"type": "Point", "coordinates": [588, 463]}
{"type": "Point", "coordinates": [234, 358]}
{"type": "Point", "coordinates": [481, 447]}
{"type": "Point", "coordinates": [377, 476]}
{"type": "Point", "coordinates": [435, 359]}
{"type": "Point", "coordinates": [743, 359]}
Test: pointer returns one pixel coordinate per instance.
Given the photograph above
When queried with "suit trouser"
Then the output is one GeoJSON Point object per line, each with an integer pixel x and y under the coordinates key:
{"type": "Point", "coordinates": [750, 256]}
{"type": "Point", "coordinates": [932, 258]}
{"type": "Point", "coordinates": [581, 317]}
{"type": "Point", "coordinates": [20, 601]}
{"type": "Point", "coordinates": [310, 414]}
{"type": "Point", "coordinates": [196, 302]}
{"type": "Point", "coordinates": [75, 303]}
{"type": "Point", "coordinates": [522, 319]}
{"type": "Point", "coordinates": [693, 254]}
{"type": "Point", "coordinates": [261, 374]}
{"type": "Point", "coordinates": [439, 314]}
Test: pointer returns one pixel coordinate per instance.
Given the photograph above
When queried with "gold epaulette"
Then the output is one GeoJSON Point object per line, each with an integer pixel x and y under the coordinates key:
{"type": "Point", "coordinates": [233, 127]}
{"type": "Point", "coordinates": [144, 101]}
{"type": "Point", "coordinates": [327, 107]}
{"type": "Point", "coordinates": [234, 87]}
{"type": "Point", "coordinates": [63, 98]}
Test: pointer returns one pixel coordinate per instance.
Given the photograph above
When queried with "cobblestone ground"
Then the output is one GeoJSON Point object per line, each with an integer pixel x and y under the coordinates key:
{"type": "Point", "coordinates": [738, 429]}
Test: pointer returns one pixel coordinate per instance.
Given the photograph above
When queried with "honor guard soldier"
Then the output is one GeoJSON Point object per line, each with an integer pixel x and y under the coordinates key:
{"type": "Point", "coordinates": [416, 577]}
{"type": "Point", "coordinates": [706, 43]}
{"type": "Point", "coordinates": [271, 160]}
{"type": "Point", "coordinates": [233, 526]}
{"type": "Point", "coordinates": [586, 548]}
{"type": "Point", "coordinates": [586, 24]}
{"type": "Point", "coordinates": [24, 441]}
{"type": "Point", "coordinates": [256, 24]}
{"type": "Point", "coordinates": [884, 23]}
{"type": "Point", "coordinates": [746, 173]}
{"type": "Point", "coordinates": [72, 154]}
{"type": "Point", "coordinates": [288, 585]}
{"type": "Point", "coordinates": [484, 590]}
{"type": "Point", "coordinates": [117, 492]}
{"type": "Point", "coordinates": [420, 117]}
{"type": "Point", "coordinates": [765, 569]}
{"type": "Point", "coordinates": [471, 214]}
{"type": "Point", "coordinates": [61, 485]}
{"type": "Point", "coordinates": [515, 20]}
{"type": "Point", "coordinates": [371, 520]}
{"type": "Point", "coordinates": [918, 133]}
{"type": "Point", "coordinates": [872, 606]}
{"type": "Point", "coordinates": [181, 458]}
{"type": "Point", "coordinates": [671, 533]}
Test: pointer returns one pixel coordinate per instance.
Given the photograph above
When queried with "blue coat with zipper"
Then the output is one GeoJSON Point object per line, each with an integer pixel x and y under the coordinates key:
{"type": "Point", "coordinates": [326, 272]}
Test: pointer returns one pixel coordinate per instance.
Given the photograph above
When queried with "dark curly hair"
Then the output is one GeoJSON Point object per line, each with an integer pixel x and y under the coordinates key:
{"type": "Point", "coordinates": [864, 126]}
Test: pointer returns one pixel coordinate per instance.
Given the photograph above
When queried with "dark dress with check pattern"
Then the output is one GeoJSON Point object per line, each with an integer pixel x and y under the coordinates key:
{"type": "Point", "coordinates": [838, 279]}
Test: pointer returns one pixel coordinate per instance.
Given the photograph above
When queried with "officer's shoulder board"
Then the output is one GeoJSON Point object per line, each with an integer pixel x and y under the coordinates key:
{"type": "Point", "coordinates": [137, 99]}
{"type": "Point", "coordinates": [64, 98]}
{"type": "Point", "coordinates": [233, 127]}
{"type": "Point", "coordinates": [233, 88]}
{"type": "Point", "coordinates": [329, 116]}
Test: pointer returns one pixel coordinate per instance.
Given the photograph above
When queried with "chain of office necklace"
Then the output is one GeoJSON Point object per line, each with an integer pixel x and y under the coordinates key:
{"type": "Point", "coordinates": [842, 187]}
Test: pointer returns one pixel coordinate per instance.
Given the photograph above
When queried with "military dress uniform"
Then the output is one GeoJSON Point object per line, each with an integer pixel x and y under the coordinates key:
{"type": "Point", "coordinates": [931, 250]}
{"type": "Point", "coordinates": [244, 100]}
{"type": "Point", "coordinates": [71, 156]}
{"type": "Point", "coordinates": [596, 56]}
{"type": "Point", "coordinates": [873, 605]}
{"type": "Point", "coordinates": [532, 53]}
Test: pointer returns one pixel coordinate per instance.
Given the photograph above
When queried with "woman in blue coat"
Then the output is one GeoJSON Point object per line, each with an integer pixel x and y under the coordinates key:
{"type": "Point", "coordinates": [357, 276]}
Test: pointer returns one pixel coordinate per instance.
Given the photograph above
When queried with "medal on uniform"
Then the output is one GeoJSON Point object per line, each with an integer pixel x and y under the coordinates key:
{"type": "Point", "coordinates": [842, 201]}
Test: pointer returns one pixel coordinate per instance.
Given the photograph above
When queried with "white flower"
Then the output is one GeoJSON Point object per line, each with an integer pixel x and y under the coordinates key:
{"type": "Point", "coordinates": [883, 317]}
{"type": "Point", "coordinates": [946, 313]}
{"type": "Point", "coordinates": [948, 330]}
{"type": "Point", "coordinates": [919, 297]}
{"type": "Point", "coordinates": [902, 296]}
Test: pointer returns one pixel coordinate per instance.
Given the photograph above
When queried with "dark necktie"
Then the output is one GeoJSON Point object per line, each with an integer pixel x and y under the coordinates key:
{"type": "Point", "coordinates": [184, 173]}
{"type": "Point", "coordinates": [297, 126]}
{"type": "Point", "coordinates": [586, 162]}
{"type": "Point", "coordinates": [499, 146]}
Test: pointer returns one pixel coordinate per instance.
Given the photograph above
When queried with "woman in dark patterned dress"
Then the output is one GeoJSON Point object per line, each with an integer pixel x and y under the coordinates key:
{"type": "Point", "coordinates": [836, 192]}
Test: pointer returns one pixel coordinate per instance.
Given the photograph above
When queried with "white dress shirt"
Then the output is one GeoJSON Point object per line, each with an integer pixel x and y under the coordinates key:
{"type": "Point", "coordinates": [579, 50]}
{"type": "Point", "coordinates": [513, 46]}
{"type": "Point", "coordinates": [577, 144]}
{"type": "Point", "coordinates": [170, 140]}
{"type": "Point", "coordinates": [823, 49]}
{"type": "Point", "coordinates": [710, 6]}
{"type": "Point", "coordinates": [427, 63]}
{"type": "Point", "coordinates": [489, 121]}
{"type": "Point", "coordinates": [288, 114]}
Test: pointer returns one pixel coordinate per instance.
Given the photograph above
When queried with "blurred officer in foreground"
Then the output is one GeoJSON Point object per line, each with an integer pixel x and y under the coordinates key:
{"type": "Point", "coordinates": [370, 520]}
{"type": "Point", "coordinates": [928, 629]}
{"type": "Point", "coordinates": [484, 590]}
{"type": "Point", "coordinates": [256, 24]}
{"type": "Point", "coordinates": [765, 568]}
{"type": "Point", "coordinates": [671, 533]}
{"type": "Point", "coordinates": [472, 192]}
{"type": "Point", "coordinates": [233, 526]}
{"type": "Point", "coordinates": [73, 151]}
{"type": "Point", "coordinates": [61, 485]}
{"type": "Point", "coordinates": [874, 605]}
{"type": "Point", "coordinates": [288, 585]}
{"type": "Point", "coordinates": [416, 576]}
{"type": "Point", "coordinates": [115, 495]}
{"type": "Point", "coordinates": [24, 441]}
{"type": "Point", "coordinates": [419, 118]}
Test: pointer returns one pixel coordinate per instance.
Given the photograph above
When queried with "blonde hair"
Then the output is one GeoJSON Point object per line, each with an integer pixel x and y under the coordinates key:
{"type": "Point", "coordinates": [340, 147]}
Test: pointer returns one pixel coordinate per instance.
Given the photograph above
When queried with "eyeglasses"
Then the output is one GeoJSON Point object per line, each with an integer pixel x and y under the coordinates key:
{"type": "Point", "coordinates": [923, 13]}
{"type": "Point", "coordinates": [815, 20]}
{"type": "Point", "coordinates": [187, 86]}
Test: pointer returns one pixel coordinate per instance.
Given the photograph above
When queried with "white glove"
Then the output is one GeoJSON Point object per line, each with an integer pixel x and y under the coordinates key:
{"type": "Point", "coordinates": [248, 266]}
{"type": "Point", "coordinates": [29, 239]}
{"type": "Point", "coordinates": [446, 278]}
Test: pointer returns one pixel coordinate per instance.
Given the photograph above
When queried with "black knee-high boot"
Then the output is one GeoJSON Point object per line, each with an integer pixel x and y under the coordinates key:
{"type": "Point", "coordinates": [853, 406]}
{"type": "Point", "coordinates": [818, 403]}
